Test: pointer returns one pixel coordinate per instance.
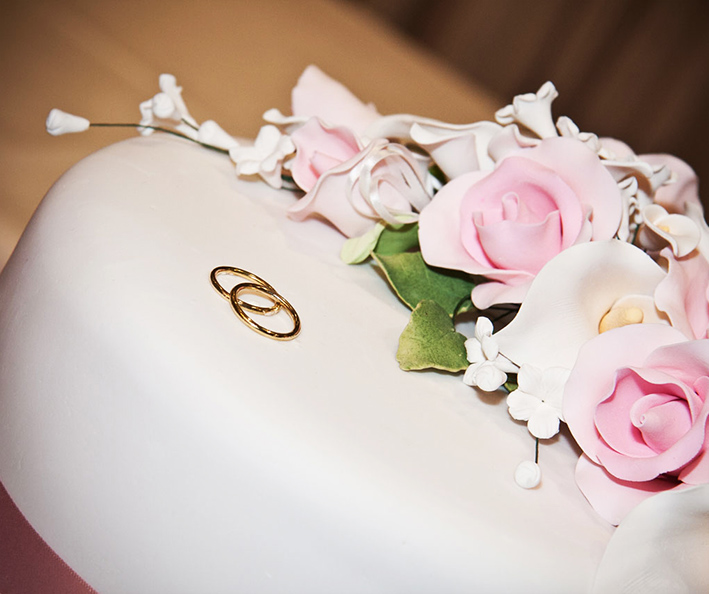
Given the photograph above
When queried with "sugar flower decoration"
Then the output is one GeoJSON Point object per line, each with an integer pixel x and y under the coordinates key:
{"type": "Point", "coordinates": [662, 228]}
{"type": "Point", "coordinates": [636, 403]}
{"type": "Point", "coordinates": [488, 369]}
{"type": "Point", "coordinates": [275, 117]}
{"type": "Point", "coordinates": [528, 474]}
{"type": "Point", "coordinates": [538, 399]}
{"type": "Point", "coordinates": [569, 129]}
{"type": "Point", "coordinates": [318, 95]}
{"type": "Point", "coordinates": [59, 122]}
{"type": "Point", "coordinates": [532, 110]}
{"type": "Point", "coordinates": [585, 290]}
{"type": "Point", "coordinates": [167, 105]}
{"type": "Point", "coordinates": [457, 149]}
{"type": "Point", "coordinates": [320, 148]}
{"type": "Point", "coordinates": [683, 295]}
{"type": "Point", "coordinates": [213, 134]}
{"type": "Point", "coordinates": [507, 224]}
{"type": "Point", "coordinates": [599, 255]}
{"type": "Point", "coordinates": [380, 182]}
{"type": "Point", "coordinates": [265, 157]}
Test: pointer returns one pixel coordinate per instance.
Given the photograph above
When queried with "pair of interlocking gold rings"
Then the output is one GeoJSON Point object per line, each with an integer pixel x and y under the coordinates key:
{"type": "Point", "coordinates": [262, 288]}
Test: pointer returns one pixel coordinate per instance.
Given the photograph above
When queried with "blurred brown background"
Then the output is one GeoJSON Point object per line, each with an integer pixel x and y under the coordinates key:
{"type": "Point", "coordinates": [637, 70]}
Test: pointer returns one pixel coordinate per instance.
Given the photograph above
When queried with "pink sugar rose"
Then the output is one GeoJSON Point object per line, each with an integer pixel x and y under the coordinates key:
{"type": "Point", "coordinates": [319, 148]}
{"type": "Point", "coordinates": [507, 224]}
{"type": "Point", "coordinates": [636, 403]}
{"type": "Point", "coordinates": [318, 95]}
{"type": "Point", "coordinates": [377, 182]}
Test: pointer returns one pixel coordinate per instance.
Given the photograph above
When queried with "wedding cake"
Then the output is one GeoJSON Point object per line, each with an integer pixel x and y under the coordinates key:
{"type": "Point", "coordinates": [157, 442]}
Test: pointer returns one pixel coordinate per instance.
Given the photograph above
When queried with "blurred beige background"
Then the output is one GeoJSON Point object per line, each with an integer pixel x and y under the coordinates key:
{"type": "Point", "coordinates": [636, 69]}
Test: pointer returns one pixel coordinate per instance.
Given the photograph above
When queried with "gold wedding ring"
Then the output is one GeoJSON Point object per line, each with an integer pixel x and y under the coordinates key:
{"type": "Point", "coordinates": [264, 311]}
{"type": "Point", "coordinates": [262, 288]}
{"type": "Point", "coordinates": [236, 305]}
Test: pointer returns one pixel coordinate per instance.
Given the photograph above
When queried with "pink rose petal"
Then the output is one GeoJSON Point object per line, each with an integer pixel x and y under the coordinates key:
{"type": "Point", "coordinates": [682, 295]}
{"type": "Point", "coordinates": [439, 227]}
{"type": "Point", "coordinates": [516, 202]}
{"type": "Point", "coordinates": [337, 198]}
{"type": "Point", "coordinates": [582, 170]}
{"type": "Point", "coordinates": [319, 148]}
{"type": "Point", "coordinates": [499, 249]}
{"type": "Point", "coordinates": [697, 471]}
{"type": "Point", "coordinates": [593, 376]}
{"type": "Point", "coordinates": [613, 416]}
{"type": "Point", "coordinates": [661, 419]}
{"type": "Point", "coordinates": [318, 95]}
{"type": "Point", "coordinates": [608, 417]}
{"type": "Point", "coordinates": [613, 498]}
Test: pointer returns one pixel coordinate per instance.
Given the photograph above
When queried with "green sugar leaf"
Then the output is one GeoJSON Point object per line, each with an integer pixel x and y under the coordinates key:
{"type": "Point", "coordinates": [395, 241]}
{"type": "Point", "coordinates": [358, 249]}
{"type": "Point", "coordinates": [430, 341]}
{"type": "Point", "coordinates": [414, 281]}
{"type": "Point", "coordinates": [511, 384]}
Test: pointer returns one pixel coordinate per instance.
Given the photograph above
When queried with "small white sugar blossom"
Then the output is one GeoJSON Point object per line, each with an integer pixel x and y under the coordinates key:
{"type": "Point", "coordinates": [488, 369]}
{"type": "Point", "coordinates": [212, 133]}
{"type": "Point", "coordinates": [532, 110]}
{"type": "Point", "coordinates": [59, 122]}
{"type": "Point", "coordinates": [167, 105]}
{"type": "Point", "coordinates": [265, 157]}
{"type": "Point", "coordinates": [538, 399]}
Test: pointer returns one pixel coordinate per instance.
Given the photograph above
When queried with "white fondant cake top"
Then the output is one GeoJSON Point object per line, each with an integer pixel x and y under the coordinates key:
{"type": "Point", "coordinates": [129, 386]}
{"type": "Point", "coordinates": [159, 445]}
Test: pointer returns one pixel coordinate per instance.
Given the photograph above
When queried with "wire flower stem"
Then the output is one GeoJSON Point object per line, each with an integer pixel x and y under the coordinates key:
{"type": "Point", "coordinates": [160, 129]}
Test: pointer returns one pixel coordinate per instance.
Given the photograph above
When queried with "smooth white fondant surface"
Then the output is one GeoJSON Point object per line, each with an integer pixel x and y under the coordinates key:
{"type": "Point", "coordinates": [661, 547]}
{"type": "Point", "coordinates": [159, 445]}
